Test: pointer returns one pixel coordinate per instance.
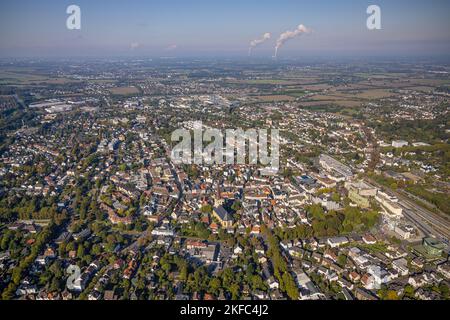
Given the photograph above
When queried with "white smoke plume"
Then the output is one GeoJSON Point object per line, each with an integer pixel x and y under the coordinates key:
{"type": "Point", "coordinates": [285, 36]}
{"type": "Point", "coordinates": [257, 42]}
{"type": "Point", "coordinates": [135, 45]}
{"type": "Point", "coordinates": [171, 47]}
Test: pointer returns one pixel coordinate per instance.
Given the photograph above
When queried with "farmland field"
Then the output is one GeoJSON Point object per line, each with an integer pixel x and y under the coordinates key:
{"type": "Point", "coordinates": [123, 91]}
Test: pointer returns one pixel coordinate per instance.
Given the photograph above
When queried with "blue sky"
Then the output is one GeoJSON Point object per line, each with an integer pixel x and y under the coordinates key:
{"type": "Point", "coordinates": [222, 28]}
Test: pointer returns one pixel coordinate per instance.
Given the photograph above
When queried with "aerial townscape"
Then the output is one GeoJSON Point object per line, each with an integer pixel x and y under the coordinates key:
{"type": "Point", "coordinates": [202, 153]}
{"type": "Point", "coordinates": [358, 209]}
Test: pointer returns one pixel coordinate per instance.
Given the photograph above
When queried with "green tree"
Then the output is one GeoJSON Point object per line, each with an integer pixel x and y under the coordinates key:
{"type": "Point", "coordinates": [80, 251]}
{"type": "Point", "coordinates": [290, 286]}
{"type": "Point", "coordinates": [214, 285]}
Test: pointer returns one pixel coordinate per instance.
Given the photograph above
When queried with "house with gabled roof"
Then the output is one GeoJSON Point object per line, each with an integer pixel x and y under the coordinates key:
{"type": "Point", "coordinates": [225, 218]}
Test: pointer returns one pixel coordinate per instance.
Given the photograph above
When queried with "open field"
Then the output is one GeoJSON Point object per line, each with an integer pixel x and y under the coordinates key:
{"type": "Point", "coordinates": [11, 78]}
{"type": "Point", "coordinates": [275, 98]}
{"type": "Point", "coordinates": [317, 87]}
{"type": "Point", "coordinates": [264, 82]}
{"type": "Point", "coordinates": [300, 83]}
{"type": "Point", "coordinates": [338, 102]}
{"type": "Point", "coordinates": [102, 81]}
{"type": "Point", "coordinates": [348, 98]}
{"type": "Point", "coordinates": [24, 78]}
{"type": "Point", "coordinates": [293, 93]}
{"type": "Point", "coordinates": [123, 91]}
{"type": "Point", "coordinates": [366, 94]}
{"type": "Point", "coordinates": [422, 89]}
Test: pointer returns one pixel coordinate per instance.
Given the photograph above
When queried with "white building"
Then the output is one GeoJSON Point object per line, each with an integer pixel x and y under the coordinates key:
{"type": "Point", "coordinates": [337, 241]}
{"type": "Point", "coordinates": [401, 265]}
{"type": "Point", "coordinates": [399, 143]}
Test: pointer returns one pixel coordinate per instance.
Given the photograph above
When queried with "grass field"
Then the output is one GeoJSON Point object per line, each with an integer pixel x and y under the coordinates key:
{"type": "Point", "coordinates": [8, 77]}
{"type": "Point", "coordinates": [275, 98]}
{"type": "Point", "coordinates": [264, 81]}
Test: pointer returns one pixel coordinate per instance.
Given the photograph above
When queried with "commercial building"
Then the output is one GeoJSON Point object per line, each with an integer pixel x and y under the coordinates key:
{"type": "Point", "coordinates": [333, 166]}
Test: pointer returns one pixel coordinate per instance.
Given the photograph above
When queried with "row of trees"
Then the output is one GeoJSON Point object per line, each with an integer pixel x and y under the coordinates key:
{"type": "Point", "coordinates": [281, 272]}
{"type": "Point", "coordinates": [41, 240]}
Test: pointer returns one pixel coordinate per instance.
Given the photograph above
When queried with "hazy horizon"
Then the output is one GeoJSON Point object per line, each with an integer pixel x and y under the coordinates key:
{"type": "Point", "coordinates": [223, 29]}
